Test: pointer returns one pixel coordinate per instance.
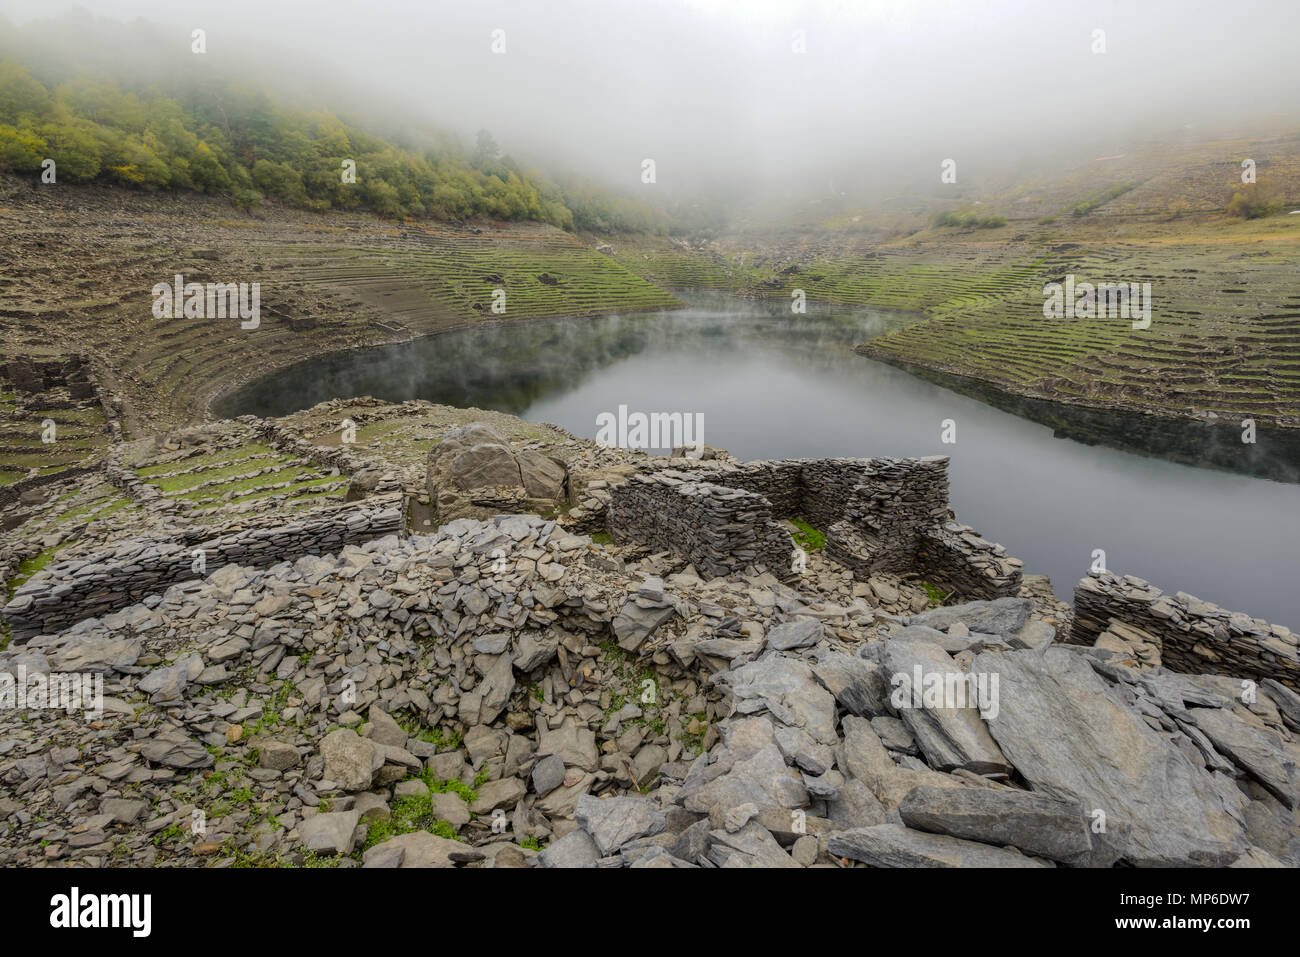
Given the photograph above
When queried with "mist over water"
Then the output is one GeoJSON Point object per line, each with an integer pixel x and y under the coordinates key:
{"type": "Point", "coordinates": [772, 385]}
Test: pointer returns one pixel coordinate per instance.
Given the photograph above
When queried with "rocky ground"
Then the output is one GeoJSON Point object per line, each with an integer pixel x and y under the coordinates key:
{"type": "Point", "coordinates": [505, 693]}
{"type": "Point", "coordinates": [519, 691]}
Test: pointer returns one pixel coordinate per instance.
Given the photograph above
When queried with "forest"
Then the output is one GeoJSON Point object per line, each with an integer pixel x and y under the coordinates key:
{"type": "Point", "coordinates": [222, 138]}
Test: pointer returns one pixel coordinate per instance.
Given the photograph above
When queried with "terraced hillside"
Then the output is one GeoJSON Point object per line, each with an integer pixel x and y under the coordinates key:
{"type": "Point", "coordinates": [220, 476]}
{"type": "Point", "coordinates": [1224, 339]}
{"type": "Point", "coordinates": [226, 481]}
{"type": "Point", "coordinates": [1224, 335]}
{"type": "Point", "coordinates": [82, 262]}
{"type": "Point", "coordinates": [51, 416]}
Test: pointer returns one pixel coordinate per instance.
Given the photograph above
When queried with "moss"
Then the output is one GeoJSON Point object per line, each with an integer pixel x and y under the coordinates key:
{"type": "Point", "coordinates": [436, 736]}
{"type": "Point", "coordinates": [30, 567]}
{"type": "Point", "coordinates": [407, 815]}
{"type": "Point", "coordinates": [936, 594]}
{"type": "Point", "coordinates": [807, 537]}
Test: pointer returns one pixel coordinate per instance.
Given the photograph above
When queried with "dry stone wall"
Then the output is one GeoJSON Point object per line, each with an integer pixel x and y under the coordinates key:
{"type": "Point", "coordinates": [883, 514]}
{"type": "Point", "coordinates": [69, 591]}
{"type": "Point", "coordinates": [1195, 636]}
{"type": "Point", "coordinates": [721, 530]}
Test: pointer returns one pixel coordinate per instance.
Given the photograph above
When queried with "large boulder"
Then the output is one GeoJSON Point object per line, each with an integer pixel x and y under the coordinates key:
{"type": "Point", "coordinates": [950, 733]}
{"type": "Point", "coordinates": [474, 472]}
{"type": "Point", "coordinates": [1073, 737]}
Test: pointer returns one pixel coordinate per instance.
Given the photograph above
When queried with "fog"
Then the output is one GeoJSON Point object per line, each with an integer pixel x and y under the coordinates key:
{"type": "Point", "coordinates": [715, 92]}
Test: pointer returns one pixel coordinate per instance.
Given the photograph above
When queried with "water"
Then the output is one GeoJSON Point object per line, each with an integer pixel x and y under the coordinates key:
{"type": "Point", "coordinates": [773, 385]}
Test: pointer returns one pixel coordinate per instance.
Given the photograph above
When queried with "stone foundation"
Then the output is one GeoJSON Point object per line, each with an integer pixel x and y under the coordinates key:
{"type": "Point", "coordinates": [66, 592]}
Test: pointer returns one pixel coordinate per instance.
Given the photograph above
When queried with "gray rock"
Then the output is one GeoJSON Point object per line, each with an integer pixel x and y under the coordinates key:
{"type": "Point", "coordinates": [646, 764]}
{"type": "Point", "coordinates": [350, 759]}
{"type": "Point", "coordinates": [575, 849]}
{"type": "Point", "coordinates": [889, 845]}
{"type": "Point", "coordinates": [277, 755]}
{"type": "Point", "coordinates": [612, 822]}
{"type": "Point", "coordinates": [1070, 735]}
{"type": "Point", "coordinates": [1001, 616]}
{"type": "Point", "coordinates": [573, 742]}
{"type": "Point", "coordinates": [534, 650]}
{"type": "Point", "coordinates": [329, 833]}
{"type": "Point", "coordinates": [760, 778]}
{"type": "Point", "coordinates": [751, 846]}
{"type": "Point", "coordinates": [422, 849]}
{"type": "Point", "coordinates": [855, 806]}
{"type": "Point", "coordinates": [949, 737]}
{"type": "Point", "coordinates": [96, 654]}
{"type": "Point", "coordinates": [1256, 751]}
{"type": "Point", "coordinates": [123, 810]}
{"type": "Point", "coordinates": [176, 751]}
{"type": "Point", "coordinates": [387, 854]}
{"type": "Point", "coordinates": [1286, 700]}
{"type": "Point", "coordinates": [637, 622]}
{"type": "Point", "coordinates": [496, 687]}
{"type": "Point", "coordinates": [785, 687]}
{"type": "Point", "coordinates": [385, 730]}
{"type": "Point", "coordinates": [548, 774]}
{"type": "Point", "coordinates": [502, 793]}
{"type": "Point", "coordinates": [451, 808]}
{"type": "Point", "coordinates": [799, 633]}
{"type": "Point", "coordinates": [1036, 824]}
{"type": "Point", "coordinates": [856, 683]}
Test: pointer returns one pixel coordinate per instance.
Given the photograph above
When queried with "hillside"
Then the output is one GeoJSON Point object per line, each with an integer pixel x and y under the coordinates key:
{"type": "Point", "coordinates": [1224, 338]}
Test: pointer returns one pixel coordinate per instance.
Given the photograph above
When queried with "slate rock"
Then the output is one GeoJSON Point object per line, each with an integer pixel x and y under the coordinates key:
{"type": "Point", "coordinates": [612, 822]}
{"type": "Point", "coordinates": [891, 845]}
{"type": "Point", "coordinates": [1036, 824]}
{"type": "Point", "coordinates": [1071, 735]}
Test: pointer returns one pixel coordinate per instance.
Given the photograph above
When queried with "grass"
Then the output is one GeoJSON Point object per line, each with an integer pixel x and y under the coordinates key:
{"type": "Point", "coordinates": [30, 567]}
{"type": "Point", "coordinates": [807, 537]}
{"type": "Point", "coordinates": [407, 815]}
{"type": "Point", "coordinates": [936, 594]}
{"type": "Point", "coordinates": [441, 740]}
{"type": "Point", "coordinates": [1099, 198]}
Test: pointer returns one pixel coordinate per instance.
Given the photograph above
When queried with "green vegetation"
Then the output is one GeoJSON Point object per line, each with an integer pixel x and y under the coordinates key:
{"type": "Point", "coordinates": [968, 220]}
{"type": "Point", "coordinates": [407, 815]}
{"type": "Point", "coordinates": [1254, 201]}
{"type": "Point", "coordinates": [441, 740]}
{"type": "Point", "coordinates": [1099, 198]}
{"type": "Point", "coordinates": [216, 136]}
{"type": "Point", "coordinates": [936, 594]}
{"type": "Point", "coordinates": [29, 567]}
{"type": "Point", "coordinates": [807, 537]}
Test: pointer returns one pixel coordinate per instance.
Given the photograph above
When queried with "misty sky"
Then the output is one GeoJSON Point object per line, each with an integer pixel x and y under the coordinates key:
{"type": "Point", "coordinates": [712, 90]}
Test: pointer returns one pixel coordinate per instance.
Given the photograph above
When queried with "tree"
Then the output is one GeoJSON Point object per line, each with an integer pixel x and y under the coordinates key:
{"type": "Point", "coordinates": [20, 150]}
{"type": "Point", "coordinates": [22, 99]}
{"type": "Point", "coordinates": [486, 151]}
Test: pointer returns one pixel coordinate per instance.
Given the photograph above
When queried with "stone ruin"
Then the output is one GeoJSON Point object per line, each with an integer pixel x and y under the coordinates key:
{"type": "Point", "coordinates": [1190, 635]}
{"type": "Point", "coordinates": [880, 515]}
{"type": "Point", "coordinates": [64, 593]}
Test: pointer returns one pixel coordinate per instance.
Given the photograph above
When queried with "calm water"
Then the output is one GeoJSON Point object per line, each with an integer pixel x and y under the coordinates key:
{"type": "Point", "coordinates": [772, 385]}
